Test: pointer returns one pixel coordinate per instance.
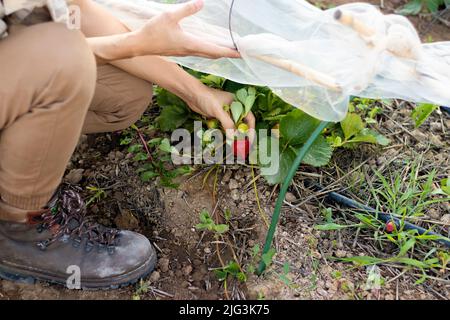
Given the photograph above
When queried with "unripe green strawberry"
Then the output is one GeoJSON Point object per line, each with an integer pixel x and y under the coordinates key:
{"type": "Point", "coordinates": [243, 128]}
{"type": "Point", "coordinates": [212, 124]}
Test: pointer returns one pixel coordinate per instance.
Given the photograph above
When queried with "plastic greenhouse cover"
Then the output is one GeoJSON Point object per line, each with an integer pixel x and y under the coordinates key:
{"type": "Point", "coordinates": [313, 59]}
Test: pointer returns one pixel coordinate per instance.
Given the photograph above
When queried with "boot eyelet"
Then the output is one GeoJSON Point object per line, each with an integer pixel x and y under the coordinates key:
{"type": "Point", "coordinates": [101, 247]}
{"type": "Point", "coordinates": [111, 249]}
{"type": "Point", "coordinates": [89, 246]}
{"type": "Point", "coordinates": [76, 242]}
{"type": "Point", "coordinates": [65, 238]}
{"type": "Point", "coordinates": [43, 244]}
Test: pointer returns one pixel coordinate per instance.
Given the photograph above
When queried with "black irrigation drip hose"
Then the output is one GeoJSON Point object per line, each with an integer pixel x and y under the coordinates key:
{"type": "Point", "coordinates": [445, 109]}
{"type": "Point", "coordinates": [347, 202]}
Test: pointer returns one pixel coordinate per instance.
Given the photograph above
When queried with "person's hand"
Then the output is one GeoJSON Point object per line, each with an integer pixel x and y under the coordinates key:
{"type": "Point", "coordinates": [162, 35]}
{"type": "Point", "coordinates": [209, 103]}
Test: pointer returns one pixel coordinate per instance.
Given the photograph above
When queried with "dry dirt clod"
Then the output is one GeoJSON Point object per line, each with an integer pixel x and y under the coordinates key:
{"type": "Point", "coordinates": [227, 176]}
{"type": "Point", "coordinates": [233, 184]}
{"type": "Point", "coordinates": [74, 176]}
{"type": "Point", "coordinates": [446, 218]}
{"type": "Point", "coordinates": [155, 276]}
{"type": "Point", "coordinates": [435, 126]}
{"type": "Point", "coordinates": [126, 220]}
{"type": "Point", "coordinates": [235, 195]}
{"type": "Point", "coordinates": [341, 253]}
{"type": "Point", "coordinates": [290, 197]}
{"type": "Point", "coordinates": [197, 276]}
{"type": "Point", "coordinates": [187, 270]}
{"type": "Point", "coordinates": [164, 264]}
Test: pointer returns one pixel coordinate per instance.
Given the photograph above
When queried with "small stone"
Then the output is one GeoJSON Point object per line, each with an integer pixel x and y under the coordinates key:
{"type": "Point", "coordinates": [155, 276]}
{"type": "Point", "coordinates": [322, 292]}
{"type": "Point", "coordinates": [447, 123]}
{"type": "Point", "coordinates": [436, 140]}
{"type": "Point", "coordinates": [197, 276]}
{"type": "Point", "coordinates": [381, 160]}
{"type": "Point", "coordinates": [435, 126]}
{"type": "Point", "coordinates": [341, 254]}
{"type": "Point", "coordinates": [185, 284]}
{"type": "Point", "coordinates": [233, 184]}
{"type": "Point", "coordinates": [197, 262]}
{"type": "Point", "coordinates": [119, 196]}
{"type": "Point", "coordinates": [227, 176]}
{"type": "Point", "coordinates": [207, 250]}
{"type": "Point", "coordinates": [419, 135]}
{"type": "Point", "coordinates": [164, 264]}
{"type": "Point", "coordinates": [244, 197]}
{"type": "Point", "coordinates": [235, 195]}
{"type": "Point", "coordinates": [290, 197]}
{"type": "Point", "coordinates": [434, 214]}
{"type": "Point", "coordinates": [446, 219]}
{"type": "Point", "coordinates": [187, 270]}
{"type": "Point", "coordinates": [126, 220]}
{"type": "Point", "coordinates": [74, 176]}
{"type": "Point", "coordinates": [119, 155]}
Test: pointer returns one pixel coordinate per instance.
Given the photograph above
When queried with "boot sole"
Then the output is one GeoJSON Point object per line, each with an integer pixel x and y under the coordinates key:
{"type": "Point", "coordinates": [21, 276]}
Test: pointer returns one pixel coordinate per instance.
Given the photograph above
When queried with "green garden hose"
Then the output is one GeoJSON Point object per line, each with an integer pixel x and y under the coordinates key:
{"type": "Point", "coordinates": [284, 187]}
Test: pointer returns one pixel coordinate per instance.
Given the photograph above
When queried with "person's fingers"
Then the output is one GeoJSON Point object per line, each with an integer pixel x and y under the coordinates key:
{"type": "Point", "coordinates": [186, 9]}
{"type": "Point", "coordinates": [227, 123]}
{"type": "Point", "coordinates": [251, 122]}
{"type": "Point", "coordinates": [210, 50]}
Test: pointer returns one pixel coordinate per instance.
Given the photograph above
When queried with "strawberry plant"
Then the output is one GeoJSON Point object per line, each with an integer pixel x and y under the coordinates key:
{"type": "Point", "coordinates": [414, 7]}
{"type": "Point", "coordinates": [290, 125]}
{"type": "Point", "coordinates": [421, 113]}
{"type": "Point", "coordinates": [207, 223]}
{"type": "Point", "coordinates": [352, 131]}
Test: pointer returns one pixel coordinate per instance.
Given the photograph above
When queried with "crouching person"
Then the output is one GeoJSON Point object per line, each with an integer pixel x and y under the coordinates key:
{"type": "Point", "coordinates": [55, 84]}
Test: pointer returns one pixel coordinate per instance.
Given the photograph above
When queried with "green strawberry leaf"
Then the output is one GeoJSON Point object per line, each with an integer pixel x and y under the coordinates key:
{"type": "Point", "coordinates": [286, 159]}
{"type": "Point", "coordinates": [241, 95]}
{"type": "Point", "coordinates": [421, 113]}
{"type": "Point", "coordinates": [236, 111]}
{"type": "Point", "coordinates": [319, 154]}
{"type": "Point", "coordinates": [411, 8]}
{"type": "Point", "coordinates": [352, 125]}
{"type": "Point", "coordinates": [296, 127]}
{"type": "Point", "coordinates": [249, 102]}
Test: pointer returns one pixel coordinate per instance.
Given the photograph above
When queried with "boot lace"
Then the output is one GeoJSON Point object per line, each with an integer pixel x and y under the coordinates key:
{"type": "Point", "coordinates": [65, 217]}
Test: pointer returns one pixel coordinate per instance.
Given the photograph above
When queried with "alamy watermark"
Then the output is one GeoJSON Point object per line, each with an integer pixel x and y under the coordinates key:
{"type": "Point", "coordinates": [73, 282]}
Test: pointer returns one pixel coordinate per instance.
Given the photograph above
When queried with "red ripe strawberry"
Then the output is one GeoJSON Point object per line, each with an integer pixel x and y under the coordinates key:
{"type": "Point", "coordinates": [241, 148]}
{"type": "Point", "coordinates": [390, 226]}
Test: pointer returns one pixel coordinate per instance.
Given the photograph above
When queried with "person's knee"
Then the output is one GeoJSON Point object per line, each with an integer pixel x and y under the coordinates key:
{"type": "Point", "coordinates": [141, 99]}
{"type": "Point", "coordinates": [68, 54]}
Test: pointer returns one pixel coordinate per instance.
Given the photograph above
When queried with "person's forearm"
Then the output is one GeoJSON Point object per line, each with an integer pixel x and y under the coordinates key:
{"type": "Point", "coordinates": [166, 74]}
{"type": "Point", "coordinates": [114, 47]}
{"type": "Point", "coordinates": [107, 46]}
{"type": "Point", "coordinates": [97, 24]}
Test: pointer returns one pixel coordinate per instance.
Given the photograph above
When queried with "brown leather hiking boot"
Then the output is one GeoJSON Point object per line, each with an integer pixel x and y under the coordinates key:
{"type": "Point", "coordinates": [59, 241]}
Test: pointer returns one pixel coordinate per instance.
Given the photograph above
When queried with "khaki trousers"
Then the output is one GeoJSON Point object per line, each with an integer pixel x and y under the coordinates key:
{"type": "Point", "coordinates": [50, 92]}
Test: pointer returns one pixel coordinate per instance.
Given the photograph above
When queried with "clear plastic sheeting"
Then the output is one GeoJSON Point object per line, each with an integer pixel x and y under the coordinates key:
{"type": "Point", "coordinates": [313, 59]}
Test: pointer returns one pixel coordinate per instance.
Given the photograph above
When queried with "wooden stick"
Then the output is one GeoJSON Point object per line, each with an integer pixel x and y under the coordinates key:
{"type": "Point", "coordinates": [347, 19]}
{"type": "Point", "coordinates": [302, 71]}
{"type": "Point", "coordinates": [400, 49]}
